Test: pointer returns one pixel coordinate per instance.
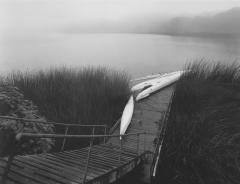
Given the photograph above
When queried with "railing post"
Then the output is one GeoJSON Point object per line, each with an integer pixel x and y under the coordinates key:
{"type": "Point", "coordinates": [88, 156]}
{"type": "Point", "coordinates": [105, 133]}
{"type": "Point", "coordinates": [93, 132]}
{"type": "Point", "coordinates": [138, 143]}
{"type": "Point", "coordinates": [64, 140]}
{"type": "Point", "coordinates": [7, 168]}
{"type": "Point", "coordinates": [120, 150]}
{"type": "Point", "coordinates": [144, 141]}
{"type": "Point", "coordinates": [9, 162]}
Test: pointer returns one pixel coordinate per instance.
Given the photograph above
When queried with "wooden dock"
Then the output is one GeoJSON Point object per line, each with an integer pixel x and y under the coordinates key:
{"type": "Point", "coordinates": [103, 163]}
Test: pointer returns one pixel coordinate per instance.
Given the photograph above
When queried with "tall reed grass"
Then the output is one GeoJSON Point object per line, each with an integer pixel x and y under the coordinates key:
{"type": "Point", "coordinates": [86, 95]}
{"type": "Point", "coordinates": [202, 142]}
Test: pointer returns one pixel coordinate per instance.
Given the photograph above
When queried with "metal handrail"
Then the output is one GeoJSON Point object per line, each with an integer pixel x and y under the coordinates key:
{"type": "Point", "coordinates": [50, 122]}
{"type": "Point", "coordinates": [111, 130]}
{"type": "Point", "coordinates": [19, 136]}
{"type": "Point", "coordinates": [24, 120]}
{"type": "Point", "coordinates": [92, 136]}
{"type": "Point", "coordinates": [88, 157]}
{"type": "Point", "coordinates": [33, 135]}
{"type": "Point", "coordinates": [64, 140]}
{"type": "Point", "coordinates": [160, 139]}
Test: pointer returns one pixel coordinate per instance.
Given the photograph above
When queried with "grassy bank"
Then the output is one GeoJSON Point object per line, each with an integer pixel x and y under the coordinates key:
{"type": "Point", "coordinates": [202, 142]}
{"type": "Point", "coordinates": [86, 96]}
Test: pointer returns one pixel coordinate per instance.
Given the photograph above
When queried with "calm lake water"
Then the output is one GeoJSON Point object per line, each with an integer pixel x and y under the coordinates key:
{"type": "Point", "coordinates": [138, 54]}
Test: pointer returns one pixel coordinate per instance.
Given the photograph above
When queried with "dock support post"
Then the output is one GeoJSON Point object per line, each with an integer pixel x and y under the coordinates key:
{"type": "Point", "coordinates": [144, 141]}
{"type": "Point", "coordinates": [120, 150]}
{"type": "Point", "coordinates": [64, 140]}
{"type": "Point", "coordinates": [138, 143]}
{"type": "Point", "coordinates": [7, 169]}
{"type": "Point", "coordinates": [9, 162]}
{"type": "Point", "coordinates": [88, 156]}
{"type": "Point", "coordinates": [105, 133]}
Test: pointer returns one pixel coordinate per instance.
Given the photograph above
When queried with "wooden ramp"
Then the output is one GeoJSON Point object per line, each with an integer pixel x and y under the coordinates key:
{"type": "Point", "coordinates": [148, 117]}
{"type": "Point", "coordinates": [68, 167]}
{"type": "Point", "coordinates": [107, 162]}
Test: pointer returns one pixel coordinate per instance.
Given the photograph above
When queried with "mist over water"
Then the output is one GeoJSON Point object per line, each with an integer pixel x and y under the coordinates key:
{"type": "Point", "coordinates": [138, 54]}
{"type": "Point", "coordinates": [119, 34]}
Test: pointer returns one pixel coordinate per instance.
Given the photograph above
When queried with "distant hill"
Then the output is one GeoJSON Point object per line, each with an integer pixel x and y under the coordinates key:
{"type": "Point", "coordinates": [225, 23]}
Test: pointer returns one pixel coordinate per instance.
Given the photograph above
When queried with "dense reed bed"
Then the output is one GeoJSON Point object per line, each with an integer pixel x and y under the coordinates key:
{"type": "Point", "coordinates": [85, 96]}
{"type": "Point", "coordinates": [202, 142]}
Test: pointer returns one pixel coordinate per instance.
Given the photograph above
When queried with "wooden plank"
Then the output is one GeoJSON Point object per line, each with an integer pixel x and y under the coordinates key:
{"type": "Point", "coordinates": [66, 174]}
{"type": "Point", "coordinates": [17, 179]}
{"type": "Point", "coordinates": [116, 173]}
{"type": "Point", "coordinates": [112, 154]}
{"type": "Point", "coordinates": [77, 162]}
{"type": "Point", "coordinates": [28, 177]}
{"type": "Point", "coordinates": [125, 150]}
{"type": "Point", "coordinates": [71, 170]}
{"type": "Point", "coordinates": [106, 166]}
{"type": "Point", "coordinates": [37, 170]}
{"type": "Point", "coordinates": [79, 165]}
{"type": "Point", "coordinates": [105, 160]}
{"type": "Point", "coordinates": [101, 156]}
{"type": "Point", "coordinates": [47, 174]}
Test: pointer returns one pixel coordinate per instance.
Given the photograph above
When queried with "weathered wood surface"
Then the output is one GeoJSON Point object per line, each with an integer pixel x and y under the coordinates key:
{"type": "Point", "coordinates": [68, 167]}
{"type": "Point", "coordinates": [107, 163]}
{"type": "Point", "coordinates": [147, 117]}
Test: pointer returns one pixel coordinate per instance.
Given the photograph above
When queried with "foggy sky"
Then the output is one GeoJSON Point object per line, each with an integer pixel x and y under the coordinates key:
{"type": "Point", "coordinates": [36, 15]}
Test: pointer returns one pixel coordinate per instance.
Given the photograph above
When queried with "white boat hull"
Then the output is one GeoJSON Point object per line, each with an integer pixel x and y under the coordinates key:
{"type": "Point", "coordinates": [151, 82]}
{"type": "Point", "coordinates": [147, 77]}
{"type": "Point", "coordinates": [126, 116]}
{"type": "Point", "coordinates": [159, 84]}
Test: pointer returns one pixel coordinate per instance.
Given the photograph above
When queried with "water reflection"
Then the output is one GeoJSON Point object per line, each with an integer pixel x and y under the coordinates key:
{"type": "Point", "coordinates": [138, 54]}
